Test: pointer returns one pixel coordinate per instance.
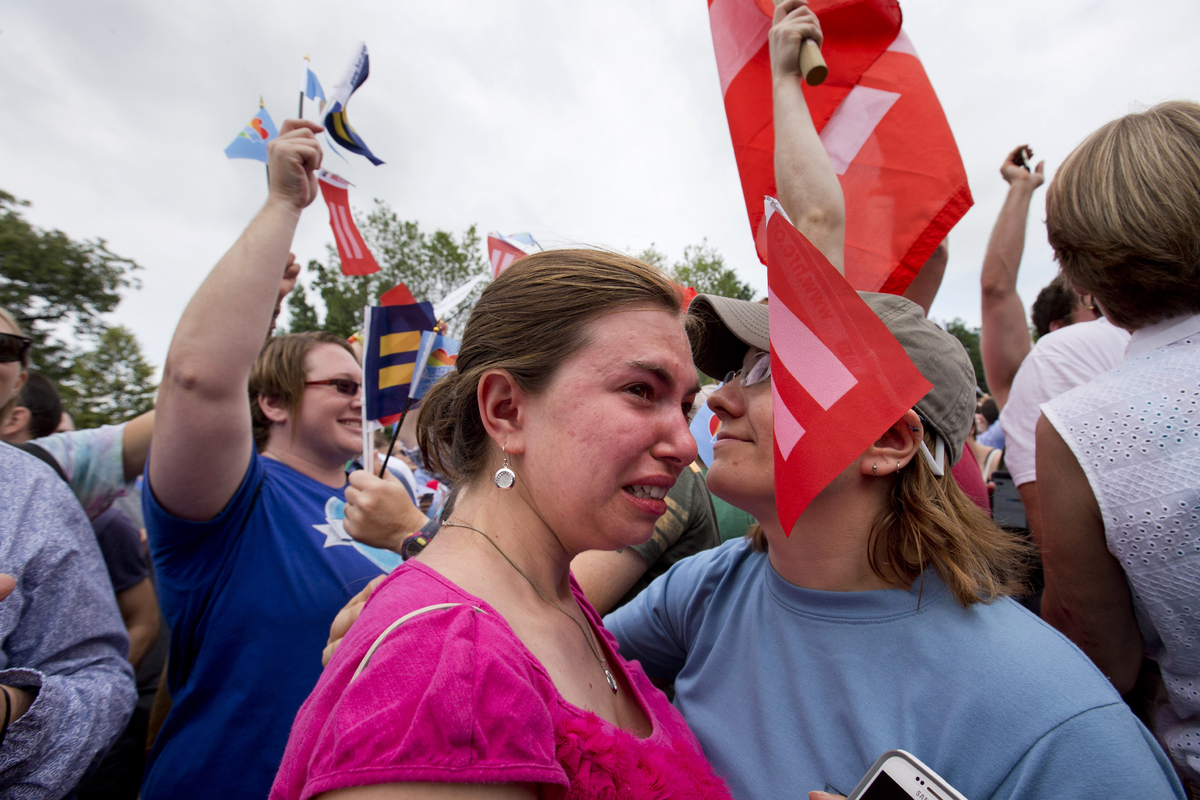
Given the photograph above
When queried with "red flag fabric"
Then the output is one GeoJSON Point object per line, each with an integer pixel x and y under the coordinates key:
{"type": "Point", "coordinates": [502, 253]}
{"type": "Point", "coordinates": [398, 295]}
{"type": "Point", "coordinates": [352, 250]}
{"type": "Point", "coordinates": [880, 121]}
{"type": "Point", "coordinates": [688, 294]}
{"type": "Point", "coordinates": [839, 379]}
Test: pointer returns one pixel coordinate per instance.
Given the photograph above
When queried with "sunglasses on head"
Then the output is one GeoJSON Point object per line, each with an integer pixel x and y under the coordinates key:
{"type": "Point", "coordinates": [758, 371]}
{"type": "Point", "coordinates": [14, 348]}
{"type": "Point", "coordinates": [343, 385]}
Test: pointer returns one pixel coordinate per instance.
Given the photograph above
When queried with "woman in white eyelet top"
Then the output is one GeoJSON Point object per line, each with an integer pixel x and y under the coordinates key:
{"type": "Point", "coordinates": [1121, 454]}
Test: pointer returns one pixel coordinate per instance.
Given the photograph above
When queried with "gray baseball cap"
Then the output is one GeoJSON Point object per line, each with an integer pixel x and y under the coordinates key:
{"type": "Point", "coordinates": [724, 328]}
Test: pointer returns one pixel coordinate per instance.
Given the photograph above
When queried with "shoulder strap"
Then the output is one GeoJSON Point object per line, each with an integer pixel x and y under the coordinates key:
{"type": "Point", "coordinates": [366, 659]}
{"type": "Point", "coordinates": [38, 452]}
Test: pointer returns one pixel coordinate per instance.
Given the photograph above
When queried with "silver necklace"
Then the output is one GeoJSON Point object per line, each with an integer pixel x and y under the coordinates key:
{"type": "Point", "coordinates": [612, 682]}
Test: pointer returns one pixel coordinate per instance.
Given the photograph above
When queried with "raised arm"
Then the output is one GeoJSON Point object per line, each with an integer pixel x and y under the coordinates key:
{"type": "Point", "coordinates": [203, 442]}
{"type": "Point", "coordinates": [808, 187]}
{"type": "Point", "coordinates": [1005, 340]}
{"type": "Point", "coordinates": [1087, 596]}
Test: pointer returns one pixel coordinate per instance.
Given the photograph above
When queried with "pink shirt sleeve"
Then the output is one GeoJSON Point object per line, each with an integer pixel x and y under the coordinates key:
{"type": "Point", "coordinates": [447, 697]}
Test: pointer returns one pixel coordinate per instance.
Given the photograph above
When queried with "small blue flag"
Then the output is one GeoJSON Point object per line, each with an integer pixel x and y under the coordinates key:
{"type": "Point", "coordinates": [312, 86]}
{"type": "Point", "coordinates": [252, 141]}
{"type": "Point", "coordinates": [435, 357]}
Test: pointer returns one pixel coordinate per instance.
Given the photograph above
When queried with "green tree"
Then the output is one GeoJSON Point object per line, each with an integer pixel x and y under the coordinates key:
{"type": "Point", "coordinates": [703, 269]}
{"type": "Point", "coordinates": [111, 383]}
{"type": "Point", "coordinates": [970, 341]}
{"type": "Point", "coordinates": [49, 282]}
{"type": "Point", "coordinates": [430, 264]}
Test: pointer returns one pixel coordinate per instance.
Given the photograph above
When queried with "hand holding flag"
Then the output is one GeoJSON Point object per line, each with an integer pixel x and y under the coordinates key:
{"type": "Point", "coordinates": [294, 158]}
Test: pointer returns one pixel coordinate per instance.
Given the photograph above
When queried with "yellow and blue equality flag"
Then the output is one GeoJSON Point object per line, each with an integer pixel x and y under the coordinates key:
{"type": "Point", "coordinates": [252, 141]}
{"type": "Point", "coordinates": [336, 124]}
{"type": "Point", "coordinates": [393, 339]}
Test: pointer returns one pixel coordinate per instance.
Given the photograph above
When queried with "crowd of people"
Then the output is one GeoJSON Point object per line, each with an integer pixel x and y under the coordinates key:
{"type": "Point", "coordinates": [592, 611]}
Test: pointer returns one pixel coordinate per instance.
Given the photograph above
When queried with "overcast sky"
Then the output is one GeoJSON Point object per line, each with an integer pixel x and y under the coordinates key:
{"type": "Point", "coordinates": [597, 123]}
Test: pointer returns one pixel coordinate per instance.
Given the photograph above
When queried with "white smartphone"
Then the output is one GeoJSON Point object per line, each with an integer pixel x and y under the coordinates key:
{"type": "Point", "coordinates": [898, 775]}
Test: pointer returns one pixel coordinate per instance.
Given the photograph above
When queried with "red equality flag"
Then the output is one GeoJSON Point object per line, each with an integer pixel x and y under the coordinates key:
{"type": "Point", "coordinates": [880, 121]}
{"type": "Point", "coordinates": [352, 250]}
{"type": "Point", "coordinates": [839, 379]}
{"type": "Point", "coordinates": [502, 252]}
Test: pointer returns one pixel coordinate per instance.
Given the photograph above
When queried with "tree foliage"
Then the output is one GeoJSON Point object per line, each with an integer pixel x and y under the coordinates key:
{"type": "Point", "coordinates": [703, 269]}
{"type": "Point", "coordinates": [970, 341]}
{"type": "Point", "coordinates": [49, 281]}
{"type": "Point", "coordinates": [430, 264]}
{"type": "Point", "coordinates": [111, 383]}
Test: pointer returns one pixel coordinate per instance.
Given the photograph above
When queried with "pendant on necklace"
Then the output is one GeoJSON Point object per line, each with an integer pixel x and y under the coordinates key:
{"type": "Point", "coordinates": [612, 682]}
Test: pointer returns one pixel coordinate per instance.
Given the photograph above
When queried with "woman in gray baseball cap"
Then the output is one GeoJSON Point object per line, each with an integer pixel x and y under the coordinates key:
{"type": "Point", "coordinates": [882, 619]}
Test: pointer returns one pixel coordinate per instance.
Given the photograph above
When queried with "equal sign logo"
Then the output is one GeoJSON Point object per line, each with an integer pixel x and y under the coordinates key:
{"type": "Point", "coordinates": [810, 363]}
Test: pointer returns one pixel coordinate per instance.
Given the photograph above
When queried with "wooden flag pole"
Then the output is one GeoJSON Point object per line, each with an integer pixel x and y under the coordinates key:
{"type": "Point", "coordinates": [812, 63]}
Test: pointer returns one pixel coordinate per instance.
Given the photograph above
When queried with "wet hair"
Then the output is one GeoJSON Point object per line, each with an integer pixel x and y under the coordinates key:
{"type": "Point", "coordinates": [1121, 215]}
{"type": "Point", "coordinates": [528, 322]}
{"type": "Point", "coordinates": [930, 521]}
{"type": "Point", "coordinates": [278, 372]}
{"type": "Point", "coordinates": [1054, 303]}
{"type": "Point", "coordinates": [41, 397]}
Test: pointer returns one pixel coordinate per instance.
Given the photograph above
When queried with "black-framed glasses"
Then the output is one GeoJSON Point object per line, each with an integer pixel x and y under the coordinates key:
{"type": "Point", "coordinates": [14, 348]}
{"type": "Point", "coordinates": [758, 371]}
{"type": "Point", "coordinates": [343, 385]}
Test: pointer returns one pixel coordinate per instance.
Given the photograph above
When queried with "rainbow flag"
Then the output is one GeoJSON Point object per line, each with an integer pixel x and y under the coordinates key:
{"type": "Point", "coordinates": [336, 124]}
{"type": "Point", "coordinates": [252, 141]}
{"type": "Point", "coordinates": [435, 357]}
{"type": "Point", "coordinates": [393, 338]}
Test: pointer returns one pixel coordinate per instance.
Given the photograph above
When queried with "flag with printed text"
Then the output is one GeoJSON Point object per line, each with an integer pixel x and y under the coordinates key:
{"type": "Point", "coordinates": [336, 124]}
{"type": "Point", "coordinates": [352, 250]}
{"type": "Point", "coordinates": [879, 119]}
{"type": "Point", "coordinates": [839, 379]}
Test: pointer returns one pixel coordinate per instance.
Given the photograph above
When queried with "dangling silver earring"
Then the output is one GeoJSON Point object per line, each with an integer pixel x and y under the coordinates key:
{"type": "Point", "coordinates": [505, 477]}
{"type": "Point", "coordinates": [874, 472]}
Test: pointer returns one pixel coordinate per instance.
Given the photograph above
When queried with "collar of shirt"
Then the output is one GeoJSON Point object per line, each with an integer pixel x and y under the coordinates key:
{"type": "Point", "coordinates": [1161, 334]}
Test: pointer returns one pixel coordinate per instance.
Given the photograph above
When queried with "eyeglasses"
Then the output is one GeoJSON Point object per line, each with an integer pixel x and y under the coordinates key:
{"type": "Point", "coordinates": [14, 348]}
{"type": "Point", "coordinates": [758, 371]}
{"type": "Point", "coordinates": [343, 385]}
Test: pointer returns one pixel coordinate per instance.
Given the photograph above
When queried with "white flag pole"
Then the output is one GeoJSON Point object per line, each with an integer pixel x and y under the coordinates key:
{"type": "Point", "coordinates": [368, 437]}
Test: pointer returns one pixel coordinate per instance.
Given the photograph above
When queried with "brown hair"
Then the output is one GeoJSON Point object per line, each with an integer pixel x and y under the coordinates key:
{"type": "Point", "coordinates": [1121, 215]}
{"type": "Point", "coordinates": [1054, 303]}
{"type": "Point", "coordinates": [931, 521]}
{"type": "Point", "coordinates": [278, 372]}
{"type": "Point", "coordinates": [528, 322]}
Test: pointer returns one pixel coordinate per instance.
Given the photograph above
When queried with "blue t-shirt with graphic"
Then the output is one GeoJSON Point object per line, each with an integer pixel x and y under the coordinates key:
{"type": "Point", "coordinates": [249, 596]}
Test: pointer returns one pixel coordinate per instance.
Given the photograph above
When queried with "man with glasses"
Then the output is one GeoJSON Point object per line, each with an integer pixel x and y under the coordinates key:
{"type": "Point", "coordinates": [243, 504]}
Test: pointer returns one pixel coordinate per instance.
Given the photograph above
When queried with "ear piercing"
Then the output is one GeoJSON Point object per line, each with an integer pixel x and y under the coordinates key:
{"type": "Point", "coordinates": [505, 477]}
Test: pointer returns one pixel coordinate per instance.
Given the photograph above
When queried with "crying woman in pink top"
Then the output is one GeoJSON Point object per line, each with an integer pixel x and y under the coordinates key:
{"type": "Point", "coordinates": [478, 669]}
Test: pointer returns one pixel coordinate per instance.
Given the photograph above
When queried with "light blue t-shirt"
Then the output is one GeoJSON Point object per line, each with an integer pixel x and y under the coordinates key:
{"type": "Point", "coordinates": [791, 690]}
{"type": "Point", "coordinates": [249, 595]}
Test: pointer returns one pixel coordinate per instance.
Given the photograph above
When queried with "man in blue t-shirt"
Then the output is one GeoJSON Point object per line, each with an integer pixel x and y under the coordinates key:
{"type": "Point", "coordinates": [243, 505]}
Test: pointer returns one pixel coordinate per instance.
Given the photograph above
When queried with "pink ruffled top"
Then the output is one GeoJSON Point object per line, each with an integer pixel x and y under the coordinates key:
{"type": "Point", "coordinates": [452, 695]}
